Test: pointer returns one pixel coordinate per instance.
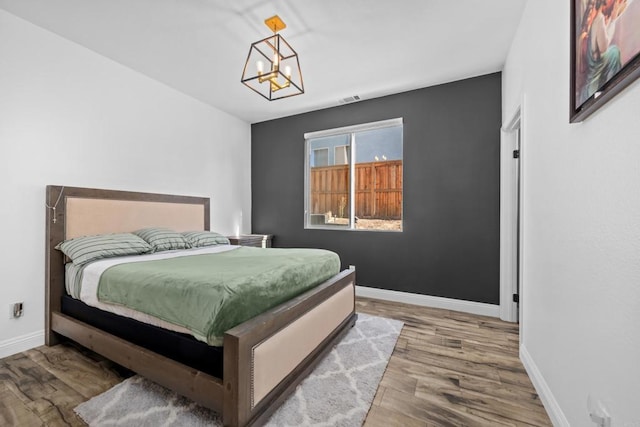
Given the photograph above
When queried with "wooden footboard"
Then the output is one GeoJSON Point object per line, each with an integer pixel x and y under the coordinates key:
{"type": "Point", "coordinates": [267, 356]}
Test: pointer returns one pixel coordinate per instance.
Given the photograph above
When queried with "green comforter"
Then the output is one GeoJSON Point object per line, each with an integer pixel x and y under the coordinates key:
{"type": "Point", "coordinates": [211, 293]}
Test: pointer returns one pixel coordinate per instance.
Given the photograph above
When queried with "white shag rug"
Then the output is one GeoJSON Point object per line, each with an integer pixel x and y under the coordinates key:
{"type": "Point", "coordinates": [338, 392]}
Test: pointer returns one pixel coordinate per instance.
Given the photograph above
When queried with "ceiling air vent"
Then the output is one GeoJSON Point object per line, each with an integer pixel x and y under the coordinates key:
{"type": "Point", "coordinates": [349, 99]}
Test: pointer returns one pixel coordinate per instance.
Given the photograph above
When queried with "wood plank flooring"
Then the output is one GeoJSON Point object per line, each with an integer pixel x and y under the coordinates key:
{"type": "Point", "coordinates": [452, 369]}
{"type": "Point", "coordinates": [40, 387]}
{"type": "Point", "coordinates": [448, 369]}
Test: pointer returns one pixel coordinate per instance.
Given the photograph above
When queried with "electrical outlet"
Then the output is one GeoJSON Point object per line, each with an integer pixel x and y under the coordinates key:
{"type": "Point", "coordinates": [16, 310]}
{"type": "Point", "coordinates": [598, 412]}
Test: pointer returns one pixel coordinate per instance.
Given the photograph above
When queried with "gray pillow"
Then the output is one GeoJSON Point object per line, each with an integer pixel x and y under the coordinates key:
{"type": "Point", "coordinates": [82, 250]}
{"type": "Point", "coordinates": [198, 239]}
{"type": "Point", "coordinates": [163, 239]}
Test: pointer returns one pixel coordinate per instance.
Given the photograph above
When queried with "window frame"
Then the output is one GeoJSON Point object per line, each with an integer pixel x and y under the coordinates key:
{"type": "Point", "coordinates": [350, 131]}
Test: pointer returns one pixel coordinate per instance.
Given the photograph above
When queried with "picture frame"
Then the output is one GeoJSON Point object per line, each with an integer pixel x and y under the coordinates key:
{"type": "Point", "coordinates": [605, 52]}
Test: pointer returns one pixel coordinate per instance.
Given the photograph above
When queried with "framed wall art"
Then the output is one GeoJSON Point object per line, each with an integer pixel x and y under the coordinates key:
{"type": "Point", "coordinates": [605, 52]}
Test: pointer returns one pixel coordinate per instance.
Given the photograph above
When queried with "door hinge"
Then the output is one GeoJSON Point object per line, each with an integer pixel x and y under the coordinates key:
{"type": "Point", "coordinates": [516, 154]}
{"type": "Point", "coordinates": [516, 298]}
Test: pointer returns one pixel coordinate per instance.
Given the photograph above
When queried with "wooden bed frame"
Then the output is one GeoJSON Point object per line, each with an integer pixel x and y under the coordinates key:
{"type": "Point", "coordinates": [264, 357]}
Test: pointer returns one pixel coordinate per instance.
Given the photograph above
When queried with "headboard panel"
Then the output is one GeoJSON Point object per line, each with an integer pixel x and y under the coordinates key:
{"type": "Point", "coordinates": [87, 211]}
{"type": "Point", "coordinates": [85, 217]}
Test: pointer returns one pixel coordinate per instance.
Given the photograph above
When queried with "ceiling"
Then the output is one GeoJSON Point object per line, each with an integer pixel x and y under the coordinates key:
{"type": "Point", "coordinates": [368, 48]}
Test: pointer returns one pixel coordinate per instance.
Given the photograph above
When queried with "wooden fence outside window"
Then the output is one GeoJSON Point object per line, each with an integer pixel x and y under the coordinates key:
{"type": "Point", "coordinates": [378, 190]}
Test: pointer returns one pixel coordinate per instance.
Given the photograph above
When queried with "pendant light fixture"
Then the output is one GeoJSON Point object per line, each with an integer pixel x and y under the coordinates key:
{"type": "Point", "coordinates": [272, 68]}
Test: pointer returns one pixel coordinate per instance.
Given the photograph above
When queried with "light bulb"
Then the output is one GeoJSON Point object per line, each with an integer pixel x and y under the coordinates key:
{"type": "Point", "coordinates": [287, 72]}
{"type": "Point", "coordinates": [276, 57]}
{"type": "Point", "coordinates": [260, 67]}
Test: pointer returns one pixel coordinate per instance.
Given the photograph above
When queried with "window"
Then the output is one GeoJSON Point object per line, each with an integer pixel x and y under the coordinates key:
{"type": "Point", "coordinates": [358, 183]}
{"type": "Point", "coordinates": [342, 154]}
{"type": "Point", "coordinates": [320, 157]}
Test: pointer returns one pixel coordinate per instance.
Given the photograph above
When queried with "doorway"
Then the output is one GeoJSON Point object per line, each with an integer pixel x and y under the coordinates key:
{"type": "Point", "coordinates": [511, 219]}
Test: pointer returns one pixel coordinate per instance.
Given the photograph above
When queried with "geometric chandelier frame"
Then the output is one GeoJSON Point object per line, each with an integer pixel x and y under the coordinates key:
{"type": "Point", "coordinates": [272, 68]}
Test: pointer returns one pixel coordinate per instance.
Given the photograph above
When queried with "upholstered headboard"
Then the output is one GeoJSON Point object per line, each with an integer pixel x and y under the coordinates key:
{"type": "Point", "coordinates": [74, 212]}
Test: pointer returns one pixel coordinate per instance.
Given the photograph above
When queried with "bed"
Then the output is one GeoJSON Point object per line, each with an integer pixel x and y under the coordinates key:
{"type": "Point", "coordinates": [263, 358]}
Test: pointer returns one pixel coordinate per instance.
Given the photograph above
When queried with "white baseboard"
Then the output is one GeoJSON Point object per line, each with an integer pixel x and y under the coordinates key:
{"type": "Point", "coordinates": [482, 309]}
{"type": "Point", "coordinates": [546, 396]}
{"type": "Point", "coordinates": [23, 343]}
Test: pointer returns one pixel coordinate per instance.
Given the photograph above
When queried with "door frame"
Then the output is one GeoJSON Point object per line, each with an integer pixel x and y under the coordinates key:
{"type": "Point", "coordinates": [511, 243]}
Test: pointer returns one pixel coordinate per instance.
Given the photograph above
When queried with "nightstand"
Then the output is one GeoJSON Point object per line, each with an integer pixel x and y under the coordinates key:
{"type": "Point", "coordinates": [256, 240]}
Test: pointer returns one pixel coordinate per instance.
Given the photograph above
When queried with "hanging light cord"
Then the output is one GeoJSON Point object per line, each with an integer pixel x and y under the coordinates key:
{"type": "Point", "coordinates": [55, 205]}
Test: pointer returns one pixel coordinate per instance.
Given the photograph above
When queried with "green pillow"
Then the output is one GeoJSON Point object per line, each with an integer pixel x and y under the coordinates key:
{"type": "Point", "coordinates": [82, 250]}
{"type": "Point", "coordinates": [198, 239]}
{"type": "Point", "coordinates": [163, 239]}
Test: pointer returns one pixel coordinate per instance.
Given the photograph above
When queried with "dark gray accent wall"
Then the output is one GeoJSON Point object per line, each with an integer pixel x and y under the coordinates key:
{"type": "Point", "coordinates": [450, 243]}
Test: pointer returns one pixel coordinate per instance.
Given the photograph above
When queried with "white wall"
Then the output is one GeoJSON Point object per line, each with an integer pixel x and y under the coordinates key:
{"type": "Point", "coordinates": [581, 218]}
{"type": "Point", "coordinates": [71, 117]}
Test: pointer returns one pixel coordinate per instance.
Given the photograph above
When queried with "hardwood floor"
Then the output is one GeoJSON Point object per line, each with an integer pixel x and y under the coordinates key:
{"type": "Point", "coordinates": [40, 387]}
{"type": "Point", "coordinates": [448, 369]}
{"type": "Point", "coordinates": [452, 369]}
